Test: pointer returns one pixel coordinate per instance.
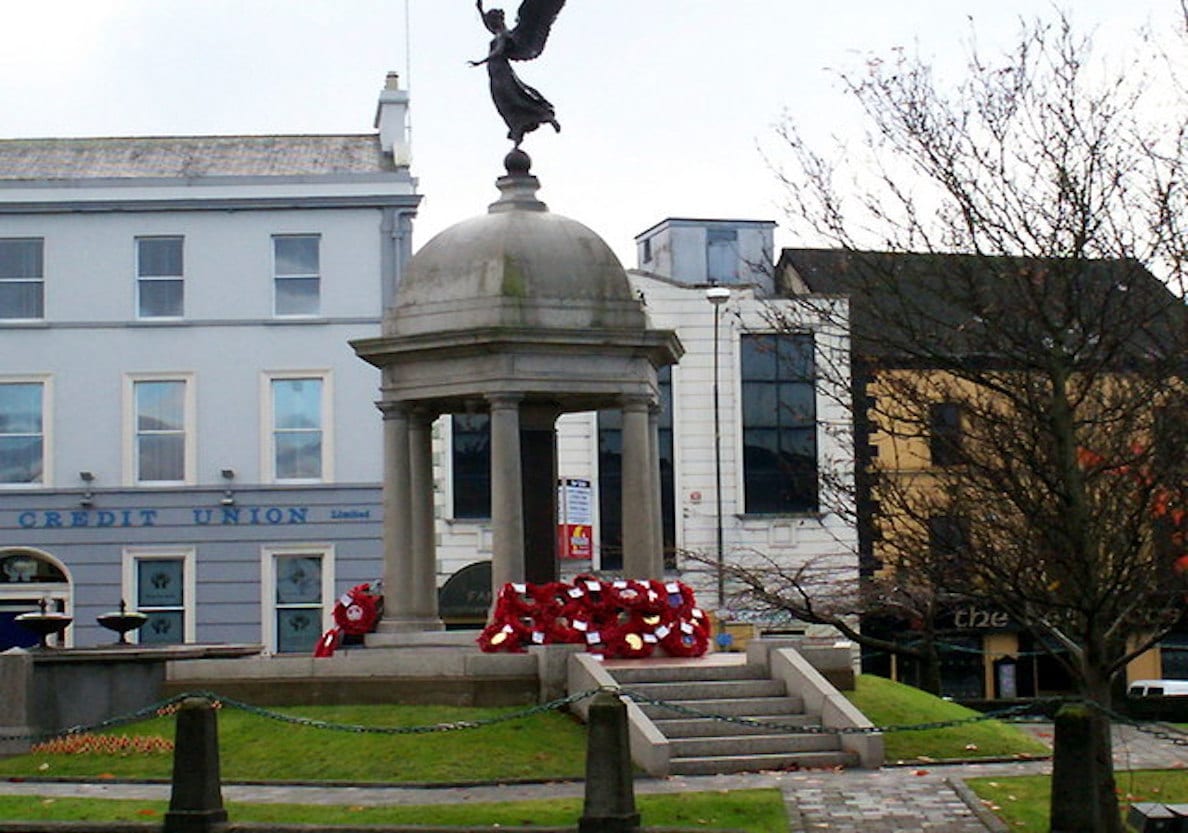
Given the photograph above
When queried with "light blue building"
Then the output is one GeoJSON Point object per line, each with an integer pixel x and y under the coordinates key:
{"type": "Point", "coordinates": [183, 424]}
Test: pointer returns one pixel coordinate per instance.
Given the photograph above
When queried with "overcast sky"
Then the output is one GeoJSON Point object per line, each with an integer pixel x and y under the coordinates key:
{"type": "Point", "coordinates": [663, 103]}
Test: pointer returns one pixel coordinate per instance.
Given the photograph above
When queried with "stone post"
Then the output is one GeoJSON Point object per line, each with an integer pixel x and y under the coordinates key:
{"type": "Point", "coordinates": [610, 789]}
{"type": "Point", "coordinates": [196, 799]}
{"type": "Point", "coordinates": [1074, 809]}
{"type": "Point", "coordinates": [16, 702]}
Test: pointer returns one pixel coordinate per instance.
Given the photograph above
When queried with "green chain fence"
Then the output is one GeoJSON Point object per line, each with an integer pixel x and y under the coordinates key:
{"type": "Point", "coordinates": [1160, 731]}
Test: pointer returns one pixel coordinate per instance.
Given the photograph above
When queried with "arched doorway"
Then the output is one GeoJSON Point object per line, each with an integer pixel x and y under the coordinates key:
{"type": "Point", "coordinates": [26, 577]}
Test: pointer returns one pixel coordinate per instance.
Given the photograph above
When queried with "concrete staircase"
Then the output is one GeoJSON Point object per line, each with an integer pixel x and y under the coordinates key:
{"type": "Point", "coordinates": [727, 685]}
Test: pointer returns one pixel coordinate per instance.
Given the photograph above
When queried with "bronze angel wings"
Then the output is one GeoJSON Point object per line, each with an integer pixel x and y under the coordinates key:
{"type": "Point", "coordinates": [522, 107]}
{"type": "Point", "coordinates": [534, 21]}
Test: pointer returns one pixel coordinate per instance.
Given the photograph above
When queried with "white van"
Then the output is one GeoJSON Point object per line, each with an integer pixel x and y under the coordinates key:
{"type": "Point", "coordinates": [1158, 688]}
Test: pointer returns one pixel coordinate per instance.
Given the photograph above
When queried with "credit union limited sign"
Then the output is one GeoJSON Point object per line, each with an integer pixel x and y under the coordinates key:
{"type": "Point", "coordinates": [181, 516]}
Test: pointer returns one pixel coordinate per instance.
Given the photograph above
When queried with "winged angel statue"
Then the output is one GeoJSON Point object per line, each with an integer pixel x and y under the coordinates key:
{"type": "Point", "coordinates": [522, 107]}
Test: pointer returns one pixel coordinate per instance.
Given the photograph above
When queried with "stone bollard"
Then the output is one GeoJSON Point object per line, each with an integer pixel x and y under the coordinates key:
{"type": "Point", "coordinates": [1073, 807]}
{"type": "Point", "coordinates": [16, 702]}
{"type": "Point", "coordinates": [610, 785]}
{"type": "Point", "coordinates": [196, 800]}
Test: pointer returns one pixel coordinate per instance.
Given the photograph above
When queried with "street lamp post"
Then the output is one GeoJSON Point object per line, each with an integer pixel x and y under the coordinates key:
{"type": "Point", "coordinates": [717, 296]}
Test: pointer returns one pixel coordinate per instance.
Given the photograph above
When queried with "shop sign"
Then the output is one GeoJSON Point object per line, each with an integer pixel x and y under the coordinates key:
{"type": "Point", "coordinates": [575, 530]}
{"type": "Point", "coordinates": [199, 516]}
{"type": "Point", "coordinates": [977, 618]}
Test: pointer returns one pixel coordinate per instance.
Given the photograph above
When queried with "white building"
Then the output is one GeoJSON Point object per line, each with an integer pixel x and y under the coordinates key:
{"type": "Point", "coordinates": [183, 424]}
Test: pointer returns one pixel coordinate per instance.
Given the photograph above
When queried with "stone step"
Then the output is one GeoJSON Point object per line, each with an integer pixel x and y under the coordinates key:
{"type": "Point", "coordinates": [751, 745]}
{"type": "Point", "coordinates": [733, 707]}
{"type": "Point", "coordinates": [709, 689]}
{"type": "Point", "coordinates": [703, 745]}
{"type": "Point", "coordinates": [718, 764]}
{"type": "Point", "coordinates": [700, 727]}
{"type": "Point", "coordinates": [645, 673]}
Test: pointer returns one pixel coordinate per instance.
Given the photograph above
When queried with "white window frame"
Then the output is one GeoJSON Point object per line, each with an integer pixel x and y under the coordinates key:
{"type": "Point", "coordinates": [267, 425]}
{"type": "Point", "coordinates": [131, 458]}
{"type": "Point", "coordinates": [40, 280]}
{"type": "Point", "coordinates": [277, 277]}
{"type": "Point", "coordinates": [142, 279]}
{"type": "Point", "coordinates": [130, 591]}
{"type": "Point", "coordinates": [268, 556]}
{"type": "Point", "coordinates": [47, 422]}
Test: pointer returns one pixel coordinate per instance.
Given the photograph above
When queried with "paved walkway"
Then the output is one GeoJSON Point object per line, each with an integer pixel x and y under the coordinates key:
{"type": "Point", "coordinates": [929, 798]}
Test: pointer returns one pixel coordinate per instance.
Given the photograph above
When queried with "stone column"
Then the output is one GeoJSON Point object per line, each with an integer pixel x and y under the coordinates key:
{"type": "Point", "coordinates": [639, 538]}
{"type": "Point", "coordinates": [657, 494]}
{"type": "Point", "coordinates": [399, 606]}
{"type": "Point", "coordinates": [507, 492]}
{"type": "Point", "coordinates": [538, 473]}
{"type": "Point", "coordinates": [423, 578]}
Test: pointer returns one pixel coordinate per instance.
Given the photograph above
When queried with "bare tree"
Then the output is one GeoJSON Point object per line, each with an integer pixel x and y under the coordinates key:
{"type": "Point", "coordinates": [999, 238]}
{"type": "Point", "coordinates": [822, 592]}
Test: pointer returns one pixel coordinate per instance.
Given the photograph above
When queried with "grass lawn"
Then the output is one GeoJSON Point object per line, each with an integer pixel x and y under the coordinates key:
{"type": "Point", "coordinates": [887, 703]}
{"type": "Point", "coordinates": [548, 745]}
{"type": "Point", "coordinates": [1022, 802]}
{"type": "Point", "coordinates": [755, 811]}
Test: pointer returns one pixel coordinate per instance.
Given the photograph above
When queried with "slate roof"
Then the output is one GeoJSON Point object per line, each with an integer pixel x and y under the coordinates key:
{"type": "Point", "coordinates": [966, 305]}
{"type": "Point", "coordinates": [190, 157]}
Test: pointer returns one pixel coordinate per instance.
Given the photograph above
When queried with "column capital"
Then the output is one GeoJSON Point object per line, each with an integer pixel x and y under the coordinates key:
{"type": "Point", "coordinates": [637, 402]}
{"type": "Point", "coordinates": [504, 401]}
{"type": "Point", "coordinates": [393, 410]}
{"type": "Point", "coordinates": [422, 414]}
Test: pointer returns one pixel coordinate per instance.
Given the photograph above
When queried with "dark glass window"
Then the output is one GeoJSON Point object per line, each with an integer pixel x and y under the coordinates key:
{"type": "Point", "coordinates": [779, 417]}
{"type": "Point", "coordinates": [1173, 651]}
{"type": "Point", "coordinates": [471, 452]}
{"type": "Point", "coordinates": [159, 273]}
{"type": "Point", "coordinates": [298, 281]}
{"type": "Point", "coordinates": [298, 602]}
{"type": "Point", "coordinates": [721, 255]}
{"type": "Point", "coordinates": [948, 538]}
{"type": "Point", "coordinates": [22, 288]}
{"type": "Point", "coordinates": [610, 480]}
{"type": "Point", "coordinates": [160, 593]}
{"type": "Point", "coordinates": [944, 433]}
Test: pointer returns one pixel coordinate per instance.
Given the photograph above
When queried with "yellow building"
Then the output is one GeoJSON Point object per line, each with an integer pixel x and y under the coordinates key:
{"type": "Point", "coordinates": [990, 322]}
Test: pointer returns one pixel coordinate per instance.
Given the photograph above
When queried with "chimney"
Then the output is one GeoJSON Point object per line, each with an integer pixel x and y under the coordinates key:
{"type": "Point", "coordinates": [391, 118]}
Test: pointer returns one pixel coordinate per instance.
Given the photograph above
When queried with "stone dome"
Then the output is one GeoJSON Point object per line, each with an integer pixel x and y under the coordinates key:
{"type": "Point", "coordinates": [517, 266]}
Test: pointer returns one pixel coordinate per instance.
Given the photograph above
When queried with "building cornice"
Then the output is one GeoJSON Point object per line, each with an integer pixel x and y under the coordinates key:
{"type": "Point", "coordinates": [246, 203]}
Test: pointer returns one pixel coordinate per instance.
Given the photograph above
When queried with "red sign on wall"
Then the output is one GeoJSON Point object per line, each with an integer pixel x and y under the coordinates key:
{"type": "Point", "coordinates": [575, 532]}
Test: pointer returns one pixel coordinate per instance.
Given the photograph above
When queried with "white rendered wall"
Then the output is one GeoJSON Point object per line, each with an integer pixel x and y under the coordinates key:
{"type": "Point", "coordinates": [790, 538]}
